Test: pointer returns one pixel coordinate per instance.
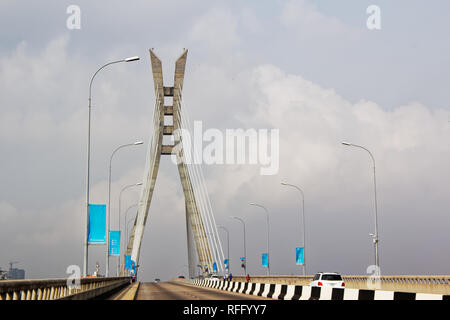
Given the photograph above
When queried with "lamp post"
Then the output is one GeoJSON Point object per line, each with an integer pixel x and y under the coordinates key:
{"type": "Point", "coordinates": [268, 253]}
{"type": "Point", "coordinates": [228, 247]}
{"type": "Point", "coordinates": [303, 223]}
{"type": "Point", "coordinates": [128, 223]}
{"type": "Point", "coordinates": [126, 219]}
{"type": "Point", "coordinates": [109, 200]}
{"type": "Point", "coordinates": [121, 235]}
{"type": "Point", "coordinates": [86, 235]}
{"type": "Point", "coordinates": [373, 235]}
{"type": "Point", "coordinates": [245, 249]}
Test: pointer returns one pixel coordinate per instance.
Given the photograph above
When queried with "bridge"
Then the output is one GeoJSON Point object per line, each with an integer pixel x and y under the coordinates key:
{"type": "Point", "coordinates": [204, 248]}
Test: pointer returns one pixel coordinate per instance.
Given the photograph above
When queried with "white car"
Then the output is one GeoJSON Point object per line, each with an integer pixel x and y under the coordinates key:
{"type": "Point", "coordinates": [327, 279]}
{"type": "Point", "coordinates": [214, 277]}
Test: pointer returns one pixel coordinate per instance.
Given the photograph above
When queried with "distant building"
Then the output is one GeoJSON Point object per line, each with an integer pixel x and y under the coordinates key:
{"type": "Point", "coordinates": [16, 274]}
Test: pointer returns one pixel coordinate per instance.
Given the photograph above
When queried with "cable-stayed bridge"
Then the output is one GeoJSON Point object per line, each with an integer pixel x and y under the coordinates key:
{"type": "Point", "coordinates": [170, 124]}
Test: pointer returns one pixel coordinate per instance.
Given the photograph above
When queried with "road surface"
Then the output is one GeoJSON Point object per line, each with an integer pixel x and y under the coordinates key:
{"type": "Point", "coordinates": [179, 291]}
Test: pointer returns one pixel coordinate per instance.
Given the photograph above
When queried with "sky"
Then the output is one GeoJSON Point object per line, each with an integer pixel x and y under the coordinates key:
{"type": "Point", "coordinates": [311, 69]}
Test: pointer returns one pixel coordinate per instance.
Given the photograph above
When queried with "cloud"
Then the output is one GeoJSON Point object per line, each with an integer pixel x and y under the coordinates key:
{"type": "Point", "coordinates": [229, 84]}
{"type": "Point", "coordinates": [307, 22]}
{"type": "Point", "coordinates": [216, 30]}
{"type": "Point", "coordinates": [313, 122]}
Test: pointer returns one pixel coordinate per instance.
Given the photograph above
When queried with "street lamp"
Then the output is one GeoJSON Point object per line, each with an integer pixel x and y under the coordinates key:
{"type": "Point", "coordinates": [131, 59]}
{"type": "Point", "coordinates": [245, 249]}
{"type": "Point", "coordinates": [268, 254]}
{"type": "Point", "coordinates": [126, 219]}
{"type": "Point", "coordinates": [373, 235]}
{"type": "Point", "coordinates": [228, 247]}
{"type": "Point", "coordinates": [120, 206]}
{"type": "Point", "coordinates": [109, 200]}
{"type": "Point", "coordinates": [128, 222]}
{"type": "Point", "coordinates": [303, 223]}
{"type": "Point", "coordinates": [86, 235]}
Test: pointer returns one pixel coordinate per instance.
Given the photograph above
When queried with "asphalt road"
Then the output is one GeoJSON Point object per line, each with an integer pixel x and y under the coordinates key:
{"type": "Point", "coordinates": [180, 291]}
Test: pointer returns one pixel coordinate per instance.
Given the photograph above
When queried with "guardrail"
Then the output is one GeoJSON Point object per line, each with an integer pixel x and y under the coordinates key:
{"type": "Point", "coordinates": [405, 283]}
{"type": "Point", "coordinates": [53, 289]}
{"type": "Point", "coordinates": [298, 292]}
{"type": "Point", "coordinates": [423, 284]}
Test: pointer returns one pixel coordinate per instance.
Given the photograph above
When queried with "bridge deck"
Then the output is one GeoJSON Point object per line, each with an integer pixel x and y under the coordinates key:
{"type": "Point", "coordinates": [178, 291]}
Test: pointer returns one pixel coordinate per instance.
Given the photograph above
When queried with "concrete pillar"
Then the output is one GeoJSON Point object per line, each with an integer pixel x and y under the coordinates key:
{"type": "Point", "coordinates": [39, 294]}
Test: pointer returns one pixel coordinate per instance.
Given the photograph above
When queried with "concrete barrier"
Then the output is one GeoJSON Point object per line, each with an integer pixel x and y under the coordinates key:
{"type": "Point", "coordinates": [423, 284]}
{"type": "Point", "coordinates": [298, 292]}
{"type": "Point", "coordinates": [53, 289]}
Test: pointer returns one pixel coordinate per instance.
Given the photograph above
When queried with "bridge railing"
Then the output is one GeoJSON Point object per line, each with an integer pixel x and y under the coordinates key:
{"type": "Point", "coordinates": [407, 283]}
{"type": "Point", "coordinates": [401, 283]}
{"type": "Point", "coordinates": [282, 279]}
{"type": "Point", "coordinates": [53, 289]}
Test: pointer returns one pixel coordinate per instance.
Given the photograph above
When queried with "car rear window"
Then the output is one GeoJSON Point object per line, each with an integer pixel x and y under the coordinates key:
{"type": "Point", "coordinates": [331, 277]}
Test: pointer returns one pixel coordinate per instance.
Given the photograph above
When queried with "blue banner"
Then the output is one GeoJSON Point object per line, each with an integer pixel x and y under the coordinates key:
{"type": "Point", "coordinates": [299, 256]}
{"type": "Point", "coordinates": [97, 223]}
{"type": "Point", "coordinates": [128, 262]}
{"type": "Point", "coordinates": [114, 243]}
{"type": "Point", "coordinates": [227, 265]}
{"type": "Point", "coordinates": [214, 266]}
{"type": "Point", "coordinates": [265, 260]}
{"type": "Point", "coordinates": [243, 259]}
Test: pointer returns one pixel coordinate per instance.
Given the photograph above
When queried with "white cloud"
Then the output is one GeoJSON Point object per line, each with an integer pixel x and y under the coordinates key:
{"type": "Point", "coordinates": [7, 212]}
{"type": "Point", "coordinates": [313, 122]}
{"type": "Point", "coordinates": [215, 31]}
{"type": "Point", "coordinates": [43, 134]}
{"type": "Point", "coordinates": [307, 22]}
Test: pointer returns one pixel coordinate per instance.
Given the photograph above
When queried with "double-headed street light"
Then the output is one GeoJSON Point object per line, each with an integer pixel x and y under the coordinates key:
{"type": "Point", "coordinates": [86, 235]}
{"type": "Point", "coordinates": [228, 247]}
{"type": "Point", "coordinates": [245, 249]}
{"type": "Point", "coordinates": [126, 220]}
{"type": "Point", "coordinates": [137, 143]}
{"type": "Point", "coordinates": [131, 220]}
{"type": "Point", "coordinates": [373, 235]}
{"type": "Point", "coordinates": [303, 223]}
{"type": "Point", "coordinates": [120, 217]}
{"type": "Point", "coordinates": [268, 250]}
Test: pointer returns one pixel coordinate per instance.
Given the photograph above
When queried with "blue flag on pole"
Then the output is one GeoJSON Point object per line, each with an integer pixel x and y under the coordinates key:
{"type": "Point", "coordinates": [114, 243]}
{"type": "Point", "coordinates": [214, 266]}
{"type": "Point", "coordinates": [299, 256]}
{"type": "Point", "coordinates": [97, 223]}
{"type": "Point", "coordinates": [227, 266]}
{"type": "Point", "coordinates": [133, 267]}
{"type": "Point", "coordinates": [128, 262]}
{"type": "Point", "coordinates": [265, 260]}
